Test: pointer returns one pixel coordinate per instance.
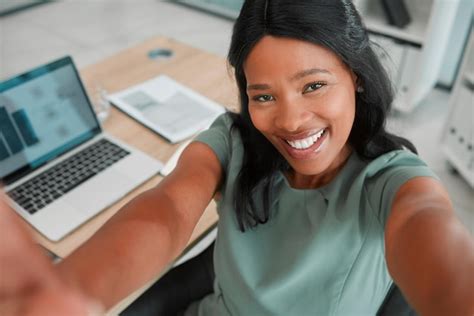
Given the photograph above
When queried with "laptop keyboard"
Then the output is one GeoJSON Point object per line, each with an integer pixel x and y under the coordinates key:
{"type": "Point", "coordinates": [50, 185]}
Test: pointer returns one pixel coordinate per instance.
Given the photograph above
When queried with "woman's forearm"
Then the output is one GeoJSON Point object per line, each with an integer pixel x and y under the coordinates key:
{"type": "Point", "coordinates": [148, 233]}
{"type": "Point", "coordinates": [128, 250]}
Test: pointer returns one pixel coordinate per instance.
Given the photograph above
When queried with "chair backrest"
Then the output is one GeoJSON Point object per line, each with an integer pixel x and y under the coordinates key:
{"type": "Point", "coordinates": [395, 304]}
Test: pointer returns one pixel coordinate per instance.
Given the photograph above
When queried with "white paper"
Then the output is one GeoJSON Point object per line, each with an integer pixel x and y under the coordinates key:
{"type": "Point", "coordinates": [167, 107]}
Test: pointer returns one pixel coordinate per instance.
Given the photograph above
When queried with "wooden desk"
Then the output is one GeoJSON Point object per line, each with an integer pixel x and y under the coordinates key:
{"type": "Point", "coordinates": [201, 71]}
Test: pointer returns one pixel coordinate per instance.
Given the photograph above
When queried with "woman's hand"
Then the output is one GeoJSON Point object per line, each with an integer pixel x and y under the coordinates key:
{"type": "Point", "coordinates": [29, 283]}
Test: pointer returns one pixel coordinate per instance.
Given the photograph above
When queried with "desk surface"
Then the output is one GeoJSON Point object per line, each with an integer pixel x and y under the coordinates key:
{"type": "Point", "coordinates": [203, 72]}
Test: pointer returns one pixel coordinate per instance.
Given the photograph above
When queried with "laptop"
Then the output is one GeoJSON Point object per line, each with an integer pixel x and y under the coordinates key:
{"type": "Point", "coordinates": [58, 167]}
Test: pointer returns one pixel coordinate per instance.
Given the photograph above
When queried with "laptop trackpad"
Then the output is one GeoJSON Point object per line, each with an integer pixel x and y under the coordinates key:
{"type": "Point", "coordinates": [100, 192]}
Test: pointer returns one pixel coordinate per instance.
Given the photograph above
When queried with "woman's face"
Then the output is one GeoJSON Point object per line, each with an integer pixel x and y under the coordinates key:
{"type": "Point", "coordinates": [302, 99]}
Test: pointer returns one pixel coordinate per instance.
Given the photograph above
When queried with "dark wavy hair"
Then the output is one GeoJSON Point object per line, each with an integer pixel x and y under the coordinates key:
{"type": "Point", "coordinates": [336, 25]}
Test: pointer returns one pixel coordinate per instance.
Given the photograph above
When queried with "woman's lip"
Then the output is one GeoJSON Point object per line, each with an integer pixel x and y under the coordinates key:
{"type": "Point", "coordinates": [307, 153]}
{"type": "Point", "coordinates": [301, 136]}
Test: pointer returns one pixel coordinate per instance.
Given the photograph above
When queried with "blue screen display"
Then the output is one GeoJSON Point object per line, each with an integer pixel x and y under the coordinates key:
{"type": "Point", "coordinates": [43, 113]}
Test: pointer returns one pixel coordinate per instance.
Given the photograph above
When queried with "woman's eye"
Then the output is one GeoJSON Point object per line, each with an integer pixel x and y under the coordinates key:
{"type": "Point", "coordinates": [313, 87]}
{"type": "Point", "coordinates": [263, 98]}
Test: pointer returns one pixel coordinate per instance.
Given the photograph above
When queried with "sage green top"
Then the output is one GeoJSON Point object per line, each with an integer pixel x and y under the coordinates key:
{"type": "Point", "coordinates": [322, 251]}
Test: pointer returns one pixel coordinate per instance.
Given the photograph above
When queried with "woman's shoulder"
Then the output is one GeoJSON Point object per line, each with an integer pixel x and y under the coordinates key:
{"type": "Point", "coordinates": [400, 158]}
{"type": "Point", "coordinates": [384, 175]}
{"type": "Point", "coordinates": [367, 170]}
{"type": "Point", "coordinates": [222, 126]}
{"type": "Point", "coordinates": [394, 162]}
{"type": "Point", "coordinates": [394, 167]}
{"type": "Point", "coordinates": [223, 139]}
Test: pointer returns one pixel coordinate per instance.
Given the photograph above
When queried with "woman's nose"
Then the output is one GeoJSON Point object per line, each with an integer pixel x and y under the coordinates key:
{"type": "Point", "coordinates": [290, 116]}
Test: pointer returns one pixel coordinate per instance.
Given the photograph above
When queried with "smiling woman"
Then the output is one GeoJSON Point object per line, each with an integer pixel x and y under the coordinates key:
{"type": "Point", "coordinates": [321, 210]}
{"type": "Point", "coordinates": [304, 106]}
{"type": "Point", "coordinates": [299, 70]}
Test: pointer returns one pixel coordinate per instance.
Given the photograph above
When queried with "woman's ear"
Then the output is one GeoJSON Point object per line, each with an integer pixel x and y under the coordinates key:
{"type": "Point", "coordinates": [357, 83]}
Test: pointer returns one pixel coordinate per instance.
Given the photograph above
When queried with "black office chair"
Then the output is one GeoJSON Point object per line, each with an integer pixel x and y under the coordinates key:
{"type": "Point", "coordinates": [169, 295]}
{"type": "Point", "coordinates": [395, 304]}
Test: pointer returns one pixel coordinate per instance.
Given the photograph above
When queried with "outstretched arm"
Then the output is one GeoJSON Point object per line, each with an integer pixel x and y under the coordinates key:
{"type": "Point", "coordinates": [147, 233]}
{"type": "Point", "coordinates": [430, 254]}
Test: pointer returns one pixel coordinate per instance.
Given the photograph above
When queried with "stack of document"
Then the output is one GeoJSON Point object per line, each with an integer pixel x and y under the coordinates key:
{"type": "Point", "coordinates": [167, 107]}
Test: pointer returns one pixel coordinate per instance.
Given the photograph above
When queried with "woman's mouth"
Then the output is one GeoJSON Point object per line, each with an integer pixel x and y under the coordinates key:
{"type": "Point", "coordinates": [305, 148]}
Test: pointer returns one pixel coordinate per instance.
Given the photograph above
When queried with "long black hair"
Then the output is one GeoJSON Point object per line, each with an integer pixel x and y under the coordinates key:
{"type": "Point", "coordinates": [336, 25]}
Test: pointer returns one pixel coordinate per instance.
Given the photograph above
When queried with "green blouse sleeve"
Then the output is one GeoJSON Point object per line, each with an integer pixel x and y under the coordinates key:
{"type": "Point", "coordinates": [218, 138]}
{"type": "Point", "coordinates": [392, 171]}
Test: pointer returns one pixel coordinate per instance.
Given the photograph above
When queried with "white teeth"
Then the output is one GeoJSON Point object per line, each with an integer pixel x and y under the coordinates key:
{"type": "Point", "coordinates": [306, 142]}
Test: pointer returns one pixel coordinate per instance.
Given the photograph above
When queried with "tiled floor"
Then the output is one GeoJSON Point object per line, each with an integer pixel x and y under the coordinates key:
{"type": "Point", "coordinates": [91, 30]}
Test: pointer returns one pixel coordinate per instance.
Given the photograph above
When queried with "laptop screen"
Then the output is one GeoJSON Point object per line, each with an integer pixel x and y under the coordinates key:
{"type": "Point", "coordinates": [43, 114]}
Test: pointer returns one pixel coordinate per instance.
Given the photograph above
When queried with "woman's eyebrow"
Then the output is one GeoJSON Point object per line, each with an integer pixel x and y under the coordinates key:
{"type": "Point", "coordinates": [297, 76]}
{"type": "Point", "coordinates": [308, 72]}
{"type": "Point", "coordinates": [258, 86]}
